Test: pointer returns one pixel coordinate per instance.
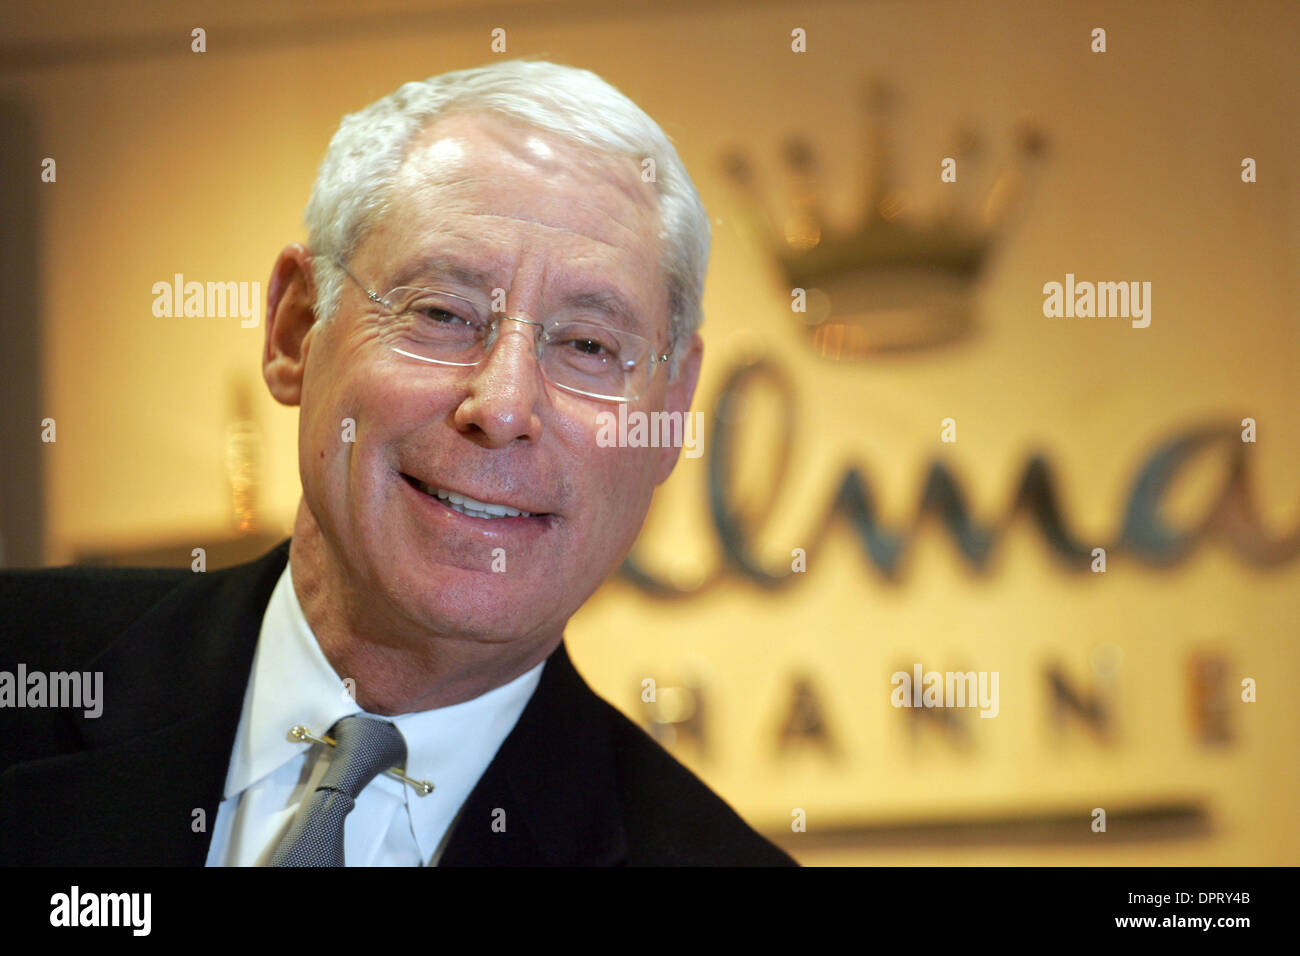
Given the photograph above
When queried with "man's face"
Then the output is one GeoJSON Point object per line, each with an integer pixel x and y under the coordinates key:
{"type": "Point", "coordinates": [543, 220]}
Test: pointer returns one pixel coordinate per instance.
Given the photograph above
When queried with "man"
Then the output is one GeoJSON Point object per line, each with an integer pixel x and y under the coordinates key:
{"type": "Point", "coordinates": [496, 259]}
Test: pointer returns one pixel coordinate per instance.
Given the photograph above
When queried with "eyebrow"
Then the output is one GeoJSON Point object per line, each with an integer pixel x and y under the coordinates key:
{"type": "Point", "coordinates": [605, 300]}
{"type": "Point", "coordinates": [609, 302]}
{"type": "Point", "coordinates": [445, 267]}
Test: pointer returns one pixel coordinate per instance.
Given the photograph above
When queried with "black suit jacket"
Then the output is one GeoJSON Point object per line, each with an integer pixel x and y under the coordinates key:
{"type": "Point", "coordinates": [580, 784]}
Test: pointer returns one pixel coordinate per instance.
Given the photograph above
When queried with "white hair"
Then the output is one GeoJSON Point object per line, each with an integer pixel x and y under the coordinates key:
{"type": "Point", "coordinates": [357, 175]}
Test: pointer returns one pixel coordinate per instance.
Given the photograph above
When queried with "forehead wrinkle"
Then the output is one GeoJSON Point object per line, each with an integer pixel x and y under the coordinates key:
{"type": "Point", "coordinates": [440, 225]}
{"type": "Point", "coordinates": [610, 218]}
{"type": "Point", "coordinates": [459, 185]}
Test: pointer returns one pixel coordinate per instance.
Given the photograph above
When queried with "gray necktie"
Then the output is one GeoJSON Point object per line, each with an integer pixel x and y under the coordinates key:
{"type": "Point", "coordinates": [364, 748]}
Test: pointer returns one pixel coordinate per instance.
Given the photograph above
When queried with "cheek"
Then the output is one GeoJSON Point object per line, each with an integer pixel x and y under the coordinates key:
{"type": "Point", "coordinates": [326, 427]}
{"type": "Point", "coordinates": [349, 402]}
{"type": "Point", "coordinates": [615, 476]}
{"type": "Point", "coordinates": [336, 433]}
{"type": "Point", "coordinates": [622, 484]}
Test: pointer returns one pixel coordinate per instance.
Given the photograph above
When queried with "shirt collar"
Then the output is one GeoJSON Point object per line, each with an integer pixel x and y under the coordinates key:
{"type": "Point", "coordinates": [293, 683]}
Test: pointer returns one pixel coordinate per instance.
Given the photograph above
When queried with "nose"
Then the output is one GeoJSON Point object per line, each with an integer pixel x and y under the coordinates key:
{"type": "Point", "coordinates": [504, 389]}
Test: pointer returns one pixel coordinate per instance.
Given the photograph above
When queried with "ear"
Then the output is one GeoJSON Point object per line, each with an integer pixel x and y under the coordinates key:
{"type": "Point", "coordinates": [289, 317]}
{"type": "Point", "coordinates": [680, 392]}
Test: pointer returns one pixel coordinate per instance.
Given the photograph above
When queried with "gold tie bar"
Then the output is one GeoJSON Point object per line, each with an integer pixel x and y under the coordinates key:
{"type": "Point", "coordinates": [300, 734]}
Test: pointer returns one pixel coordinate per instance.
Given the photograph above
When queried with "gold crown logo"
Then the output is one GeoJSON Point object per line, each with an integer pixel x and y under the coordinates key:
{"type": "Point", "coordinates": [899, 281]}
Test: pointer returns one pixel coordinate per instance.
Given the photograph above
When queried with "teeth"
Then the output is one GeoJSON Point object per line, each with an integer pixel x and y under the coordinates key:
{"type": "Point", "coordinates": [475, 509]}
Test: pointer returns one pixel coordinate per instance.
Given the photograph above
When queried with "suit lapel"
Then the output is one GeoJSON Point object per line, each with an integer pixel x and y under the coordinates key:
{"type": "Point", "coordinates": [174, 686]}
{"type": "Point", "coordinates": [550, 795]}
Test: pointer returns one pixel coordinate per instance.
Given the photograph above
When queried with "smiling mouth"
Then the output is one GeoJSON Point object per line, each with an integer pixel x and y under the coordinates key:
{"type": "Point", "coordinates": [468, 506]}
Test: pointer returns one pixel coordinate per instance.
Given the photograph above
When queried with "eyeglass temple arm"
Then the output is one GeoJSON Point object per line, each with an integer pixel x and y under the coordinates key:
{"type": "Point", "coordinates": [371, 295]}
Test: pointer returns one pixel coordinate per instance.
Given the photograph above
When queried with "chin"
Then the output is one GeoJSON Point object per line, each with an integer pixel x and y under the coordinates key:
{"type": "Point", "coordinates": [471, 603]}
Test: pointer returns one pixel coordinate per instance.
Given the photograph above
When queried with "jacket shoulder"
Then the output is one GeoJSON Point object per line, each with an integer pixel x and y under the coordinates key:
{"type": "Point", "coordinates": [75, 611]}
{"type": "Point", "coordinates": [672, 818]}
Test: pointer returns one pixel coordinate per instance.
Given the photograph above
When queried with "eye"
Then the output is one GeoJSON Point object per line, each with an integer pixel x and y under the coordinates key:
{"type": "Point", "coordinates": [442, 310]}
{"type": "Point", "coordinates": [587, 343]}
{"type": "Point", "coordinates": [440, 315]}
{"type": "Point", "coordinates": [587, 346]}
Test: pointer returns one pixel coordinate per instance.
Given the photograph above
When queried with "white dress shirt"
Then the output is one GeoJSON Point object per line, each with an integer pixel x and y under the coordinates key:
{"type": "Point", "coordinates": [270, 776]}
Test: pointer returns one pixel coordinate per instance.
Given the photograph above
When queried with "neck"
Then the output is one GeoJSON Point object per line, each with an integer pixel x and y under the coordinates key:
{"type": "Point", "coordinates": [397, 667]}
